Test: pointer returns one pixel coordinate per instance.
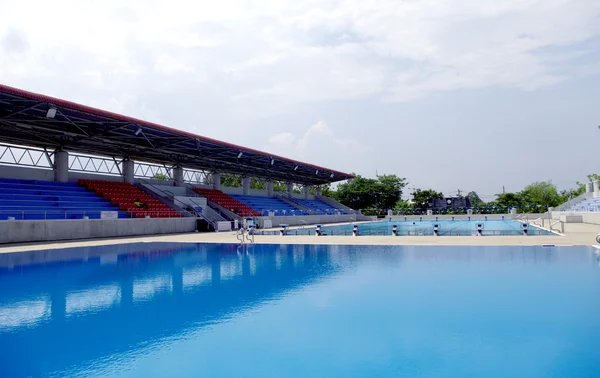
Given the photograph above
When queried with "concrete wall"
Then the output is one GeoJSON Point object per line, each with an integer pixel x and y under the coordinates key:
{"type": "Point", "coordinates": [176, 190]}
{"type": "Point", "coordinates": [23, 173]}
{"type": "Point", "coordinates": [40, 231]}
{"type": "Point", "coordinates": [75, 176]}
{"type": "Point", "coordinates": [301, 196]}
{"type": "Point", "coordinates": [40, 174]}
{"type": "Point", "coordinates": [590, 218]}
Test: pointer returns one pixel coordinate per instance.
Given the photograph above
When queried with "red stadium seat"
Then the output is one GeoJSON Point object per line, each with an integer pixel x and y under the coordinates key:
{"type": "Point", "coordinates": [227, 202]}
{"type": "Point", "coordinates": [123, 194]}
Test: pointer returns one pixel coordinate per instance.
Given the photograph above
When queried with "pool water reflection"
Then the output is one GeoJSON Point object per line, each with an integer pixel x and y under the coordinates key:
{"type": "Point", "coordinates": [185, 310]}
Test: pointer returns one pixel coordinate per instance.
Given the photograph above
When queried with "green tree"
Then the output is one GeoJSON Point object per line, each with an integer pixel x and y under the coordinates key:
{"type": "Point", "coordinates": [402, 205]}
{"type": "Point", "coordinates": [160, 176]}
{"type": "Point", "coordinates": [258, 184]}
{"type": "Point", "coordinates": [541, 193]}
{"type": "Point", "coordinates": [328, 191]}
{"type": "Point", "coordinates": [362, 193]}
{"type": "Point", "coordinates": [593, 177]}
{"type": "Point", "coordinates": [391, 187]}
{"type": "Point", "coordinates": [325, 190]}
{"type": "Point", "coordinates": [475, 200]}
{"type": "Point", "coordinates": [358, 193]}
{"type": "Point", "coordinates": [567, 194]}
{"type": "Point", "coordinates": [421, 197]}
{"type": "Point", "coordinates": [232, 181]}
{"type": "Point", "coordinates": [279, 186]}
{"type": "Point", "coordinates": [508, 200]}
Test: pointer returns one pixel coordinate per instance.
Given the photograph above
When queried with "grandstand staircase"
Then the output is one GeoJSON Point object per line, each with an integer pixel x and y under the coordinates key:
{"type": "Point", "coordinates": [208, 213]}
{"type": "Point", "coordinates": [161, 195]}
{"type": "Point", "coordinates": [222, 211]}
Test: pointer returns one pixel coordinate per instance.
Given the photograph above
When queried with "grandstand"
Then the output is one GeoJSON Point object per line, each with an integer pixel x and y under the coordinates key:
{"type": "Point", "coordinates": [63, 161]}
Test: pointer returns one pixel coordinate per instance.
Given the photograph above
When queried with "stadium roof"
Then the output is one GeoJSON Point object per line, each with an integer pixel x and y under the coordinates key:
{"type": "Point", "coordinates": [32, 119]}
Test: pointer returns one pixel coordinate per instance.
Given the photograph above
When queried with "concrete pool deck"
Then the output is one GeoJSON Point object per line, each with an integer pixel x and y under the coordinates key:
{"type": "Point", "coordinates": [576, 234]}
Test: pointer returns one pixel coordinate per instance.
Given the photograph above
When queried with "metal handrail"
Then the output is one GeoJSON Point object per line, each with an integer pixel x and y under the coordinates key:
{"type": "Point", "coordinates": [239, 235]}
{"type": "Point", "coordinates": [562, 226]}
{"type": "Point", "coordinates": [161, 192]}
{"type": "Point", "coordinates": [523, 217]}
{"type": "Point", "coordinates": [250, 235]}
{"type": "Point", "coordinates": [244, 235]}
{"type": "Point", "coordinates": [537, 220]}
{"type": "Point", "coordinates": [170, 195]}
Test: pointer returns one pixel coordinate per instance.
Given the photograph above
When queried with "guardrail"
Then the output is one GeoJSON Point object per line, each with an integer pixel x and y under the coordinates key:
{"type": "Point", "coordinates": [460, 211]}
{"type": "Point", "coordinates": [92, 214]}
{"type": "Point", "coordinates": [539, 222]}
{"type": "Point", "coordinates": [325, 232]}
{"type": "Point", "coordinates": [562, 226]}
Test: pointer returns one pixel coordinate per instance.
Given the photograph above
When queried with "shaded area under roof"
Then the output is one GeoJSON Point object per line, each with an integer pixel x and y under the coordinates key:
{"type": "Point", "coordinates": [36, 120]}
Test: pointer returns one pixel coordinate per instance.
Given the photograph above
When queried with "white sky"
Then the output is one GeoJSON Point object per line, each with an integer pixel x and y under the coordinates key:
{"type": "Point", "coordinates": [452, 94]}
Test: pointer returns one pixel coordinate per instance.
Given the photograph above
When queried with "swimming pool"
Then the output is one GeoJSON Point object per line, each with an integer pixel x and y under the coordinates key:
{"type": "Point", "coordinates": [499, 227]}
{"type": "Point", "coordinates": [188, 310]}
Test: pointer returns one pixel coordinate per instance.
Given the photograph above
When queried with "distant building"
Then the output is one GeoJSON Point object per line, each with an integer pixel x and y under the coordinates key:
{"type": "Point", "coordinates": [453, 203]}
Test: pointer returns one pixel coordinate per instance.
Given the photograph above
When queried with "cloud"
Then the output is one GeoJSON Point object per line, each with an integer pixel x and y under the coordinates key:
{"type": "Point", "coordinates": [294, 53]}
{"type": "Point", "coordinates": [15, 41]}
{"type": "Point", "coordinates": [281, 141]}
{"type": "Point", "coordinates": [319, 143]}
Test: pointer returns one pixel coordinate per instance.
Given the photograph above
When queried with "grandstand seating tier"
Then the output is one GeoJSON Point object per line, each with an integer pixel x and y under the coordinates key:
{"type": "Point", "coordinates": [265, 205]}
{"type": "Point", "coordinates": [124, 195]}
{"type": "Point", "coordinates": [587, 205]}
{"type": "Point", "coordinates": [35, 200]}
{"type": "Point", "coordinates": [228, 202]}
{"type": "Point", "coordinates": [318, 207]}
{"type": "Point", "coordinates": [245, 205]}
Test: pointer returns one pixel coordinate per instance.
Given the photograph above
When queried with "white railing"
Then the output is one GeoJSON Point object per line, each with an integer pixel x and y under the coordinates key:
{"type": "Point", "coordinates": [574, 201]}
{"type": "Point", "coordinates": [523, 217]}
{"type": "Point", "coordinates": [244, 235]}
{"type": "Point", "coordinates": [561, 229]}
{"type": "Point", "coordinates": [83, 214]}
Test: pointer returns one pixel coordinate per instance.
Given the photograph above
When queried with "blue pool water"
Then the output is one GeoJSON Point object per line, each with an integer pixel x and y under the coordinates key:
{"type": "Point", "coordinates": [172, 310]}
{"type": "Point", "coordinates": [498, 227]}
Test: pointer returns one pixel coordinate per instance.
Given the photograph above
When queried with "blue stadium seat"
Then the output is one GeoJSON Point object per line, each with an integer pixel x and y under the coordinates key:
{"type": "Point", "coordinates": [265, 205]}
{"type": "Point", "coordinates": [319, 207]}
{"type": "Point", "coordinates": [587, 205]}
{"type": "Point", "coordinates": [30, 199]}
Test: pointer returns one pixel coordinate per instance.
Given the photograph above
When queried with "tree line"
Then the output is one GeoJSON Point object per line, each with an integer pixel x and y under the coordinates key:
{"type": "Point", "coordinates": [376, 196]}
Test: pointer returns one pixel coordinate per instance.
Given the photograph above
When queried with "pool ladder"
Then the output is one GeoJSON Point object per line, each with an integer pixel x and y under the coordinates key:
{"type": "Point", "coordinates": [244, 235]}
